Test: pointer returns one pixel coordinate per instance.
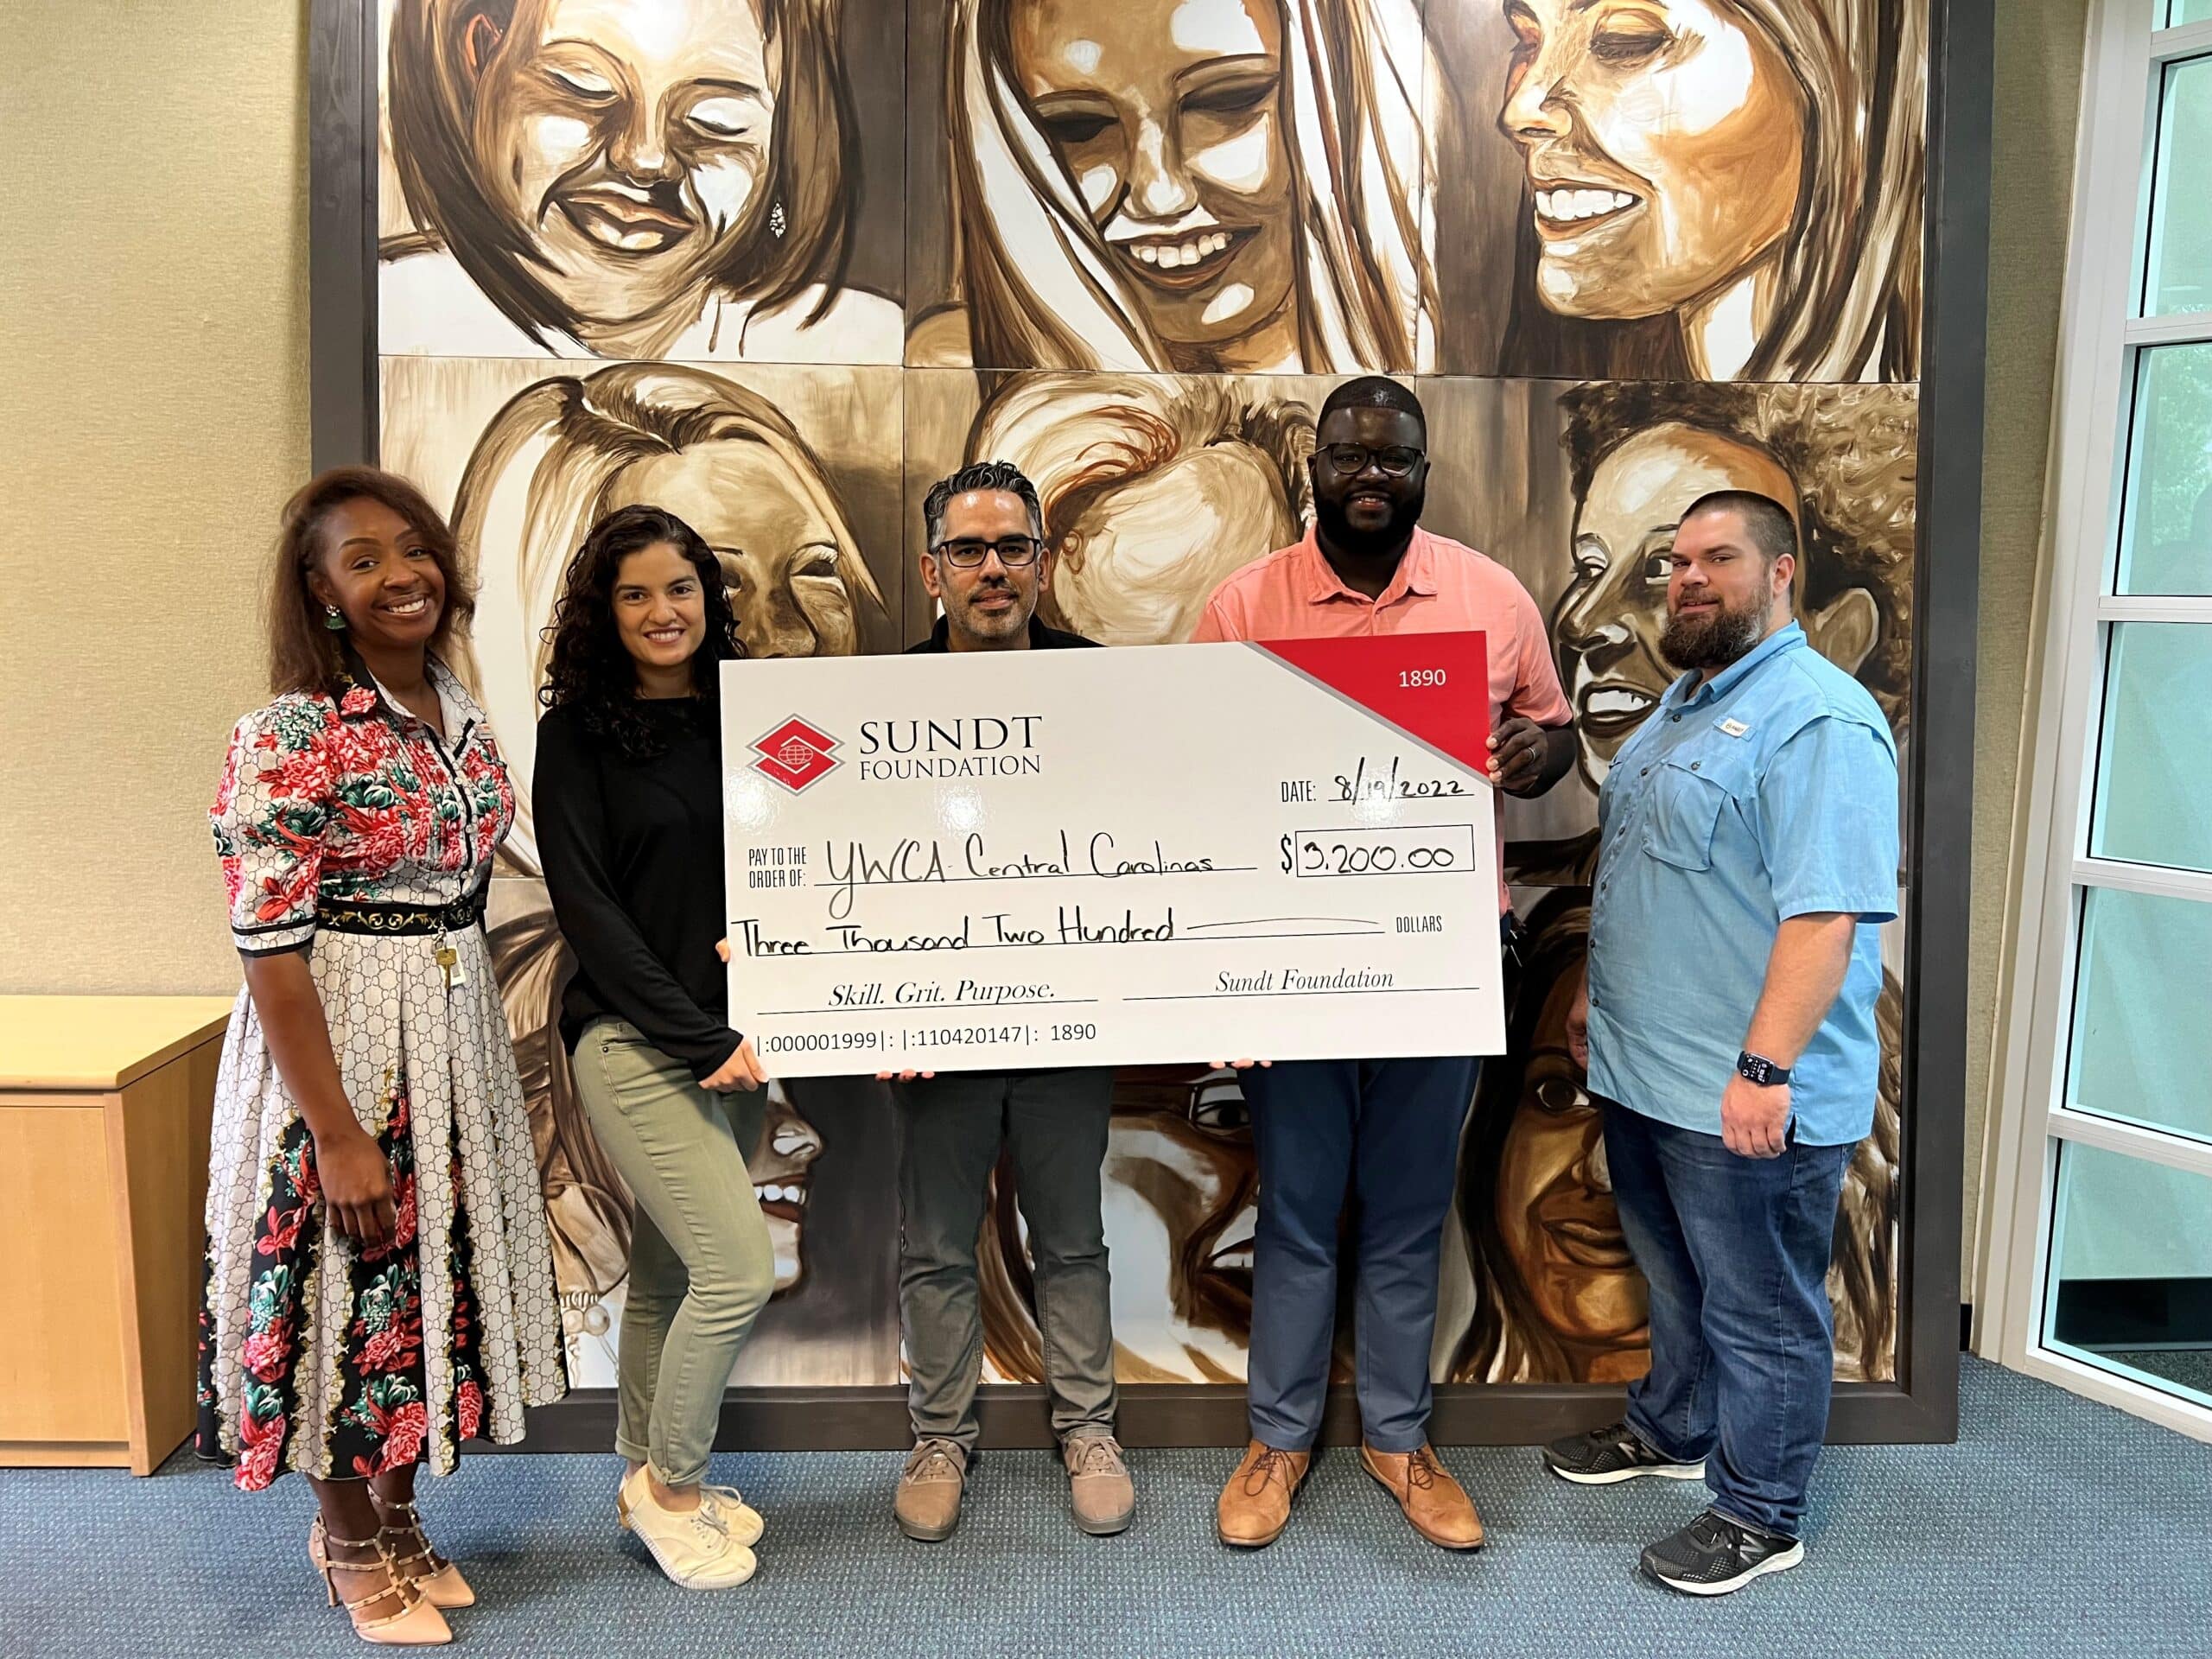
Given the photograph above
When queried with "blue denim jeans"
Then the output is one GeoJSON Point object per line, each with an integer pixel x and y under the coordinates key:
{"type": "Point", "coordinates": [1743, 1338]}
{"type": "Point", "coordinates": [1387, 1132]}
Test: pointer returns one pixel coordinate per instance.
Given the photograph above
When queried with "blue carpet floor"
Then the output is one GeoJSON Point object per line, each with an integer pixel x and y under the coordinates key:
{"type": "Point", "coordinates": [2055, 1527]}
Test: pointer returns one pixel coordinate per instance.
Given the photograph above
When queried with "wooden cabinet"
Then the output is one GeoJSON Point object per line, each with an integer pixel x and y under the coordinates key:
{"type": "Point", "coordinates": [103, 1109]}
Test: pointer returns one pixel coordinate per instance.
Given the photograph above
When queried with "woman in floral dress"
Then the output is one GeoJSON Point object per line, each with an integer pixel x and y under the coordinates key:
{"type": "Point", "coordinates": [379, 1278]}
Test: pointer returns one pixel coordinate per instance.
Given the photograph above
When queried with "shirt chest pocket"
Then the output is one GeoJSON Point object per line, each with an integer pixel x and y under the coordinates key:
{"type": "Point", "coordinates": [1689, 794]}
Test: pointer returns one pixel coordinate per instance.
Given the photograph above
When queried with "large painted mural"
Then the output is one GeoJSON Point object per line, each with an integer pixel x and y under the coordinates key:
{"type": "Point", "coordinates": [778, 265]}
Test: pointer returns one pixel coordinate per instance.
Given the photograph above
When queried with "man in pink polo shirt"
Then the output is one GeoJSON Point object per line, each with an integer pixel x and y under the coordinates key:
{"type": "Point", "coordinates": [1388, 1129]}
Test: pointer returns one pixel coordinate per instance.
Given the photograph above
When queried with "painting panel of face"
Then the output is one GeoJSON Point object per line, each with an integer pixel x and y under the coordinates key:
{"type": "Point", "coordinates": [554, 458]}
{"type": "Point", "coordinates": [1180, 1202]}
{"type": "Point", "coordinates": [826, 1172]}
{"type": "Point", "coordinates": [1750, 170]}
{"type": "Point", "coordinates": [1180, 1206]}
{"type": "Point", "coordinates": [1609, 625]}
{"type": "Point", "coordinates": [564, 452]}
{"type": "Point", "coordinates": [1170, 120]}
{"type": "Point", "coordinates": [782, 1168]}
{"type": "Point", "coordinates": [630, 141]}
{"type": "Point", "coordinates": [987, 566]}
{"type": "Point", "coordinates": [1227, 185]}
{"type": "Point", "coordinates": [1153, 489]}
{"type": "Point", "coordinates": [1558, 1296]}
{"type": "Point", "coordinates": [614, 173]}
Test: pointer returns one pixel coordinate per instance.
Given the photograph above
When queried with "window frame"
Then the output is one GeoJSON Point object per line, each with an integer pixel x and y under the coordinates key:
{"type": "Point", "coordinates": [2102, 343]}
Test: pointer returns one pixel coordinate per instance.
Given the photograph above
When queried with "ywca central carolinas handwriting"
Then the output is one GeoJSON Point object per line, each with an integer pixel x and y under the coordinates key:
{"type": "Point", "coordinates": [912, 860]}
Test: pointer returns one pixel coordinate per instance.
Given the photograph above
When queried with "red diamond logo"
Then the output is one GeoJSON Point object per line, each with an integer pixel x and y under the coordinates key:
{"type": "Point", "coordinates": [795, 754]}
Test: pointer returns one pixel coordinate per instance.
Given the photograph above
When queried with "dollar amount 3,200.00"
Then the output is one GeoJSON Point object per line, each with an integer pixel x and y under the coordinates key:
{"type": "Point", "coordinates": [1384, 849]}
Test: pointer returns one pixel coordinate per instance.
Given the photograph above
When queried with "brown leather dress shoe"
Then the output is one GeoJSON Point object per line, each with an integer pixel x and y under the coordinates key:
{"type": "Point", "coordinates": [1438, 1506]}
{"type": "Point", "coordinates": [1255, 1506]}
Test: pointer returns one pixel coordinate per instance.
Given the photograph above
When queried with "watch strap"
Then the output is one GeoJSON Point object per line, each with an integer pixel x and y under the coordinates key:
{"type": "Point", "coordinates": [1758, 1069]}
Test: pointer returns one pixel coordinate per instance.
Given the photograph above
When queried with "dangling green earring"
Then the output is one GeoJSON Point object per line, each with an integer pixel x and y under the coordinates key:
{"type": "Point", "coordinates": [334, 619]}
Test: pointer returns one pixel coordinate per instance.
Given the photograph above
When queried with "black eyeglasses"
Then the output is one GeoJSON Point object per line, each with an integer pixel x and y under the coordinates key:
{"type": "Point", "coordinates": [1013, 552]}
{"type": "Point", "coordinates": [1347, 458]}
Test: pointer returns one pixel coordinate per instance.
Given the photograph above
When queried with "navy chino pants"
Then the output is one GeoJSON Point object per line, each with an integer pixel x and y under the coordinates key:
{"type": "Point", "coordinates": [1386, 1132]}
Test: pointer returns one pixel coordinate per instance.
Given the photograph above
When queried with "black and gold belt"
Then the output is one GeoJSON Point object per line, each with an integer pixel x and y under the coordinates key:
{"type": "Point", "coordinates": [397, 920]}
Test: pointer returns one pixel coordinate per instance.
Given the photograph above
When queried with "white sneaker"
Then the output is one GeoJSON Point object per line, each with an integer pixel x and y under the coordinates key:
{"type": "Point", "coordinates": [742, 1520]}
{"type": "Point", "coordinates": [697, 1550]}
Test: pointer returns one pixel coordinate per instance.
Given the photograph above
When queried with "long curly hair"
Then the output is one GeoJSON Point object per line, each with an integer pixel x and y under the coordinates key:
{"type": "Point", "coordinates": [591, 670]}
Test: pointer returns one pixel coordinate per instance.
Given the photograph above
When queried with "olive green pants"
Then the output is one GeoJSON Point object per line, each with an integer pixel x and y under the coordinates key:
{"type": "Point", "coordinates": [701, 1265]}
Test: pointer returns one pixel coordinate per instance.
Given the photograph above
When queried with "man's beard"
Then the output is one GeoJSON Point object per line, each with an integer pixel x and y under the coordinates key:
{"type": "Point", "coordinates": [1704, 642]}
{"type": "Point", "coordinates": [1404, 516]}
{"type": "Point", "coordinates": [1004, 625]}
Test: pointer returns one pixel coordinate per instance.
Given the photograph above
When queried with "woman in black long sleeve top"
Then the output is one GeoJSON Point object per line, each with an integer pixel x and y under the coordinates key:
{"type": "Point", "coordinates": [628, 806]}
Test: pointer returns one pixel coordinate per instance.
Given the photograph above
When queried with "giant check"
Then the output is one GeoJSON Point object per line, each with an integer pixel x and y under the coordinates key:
{"type": "Point", "coordinates": [1040, 858]}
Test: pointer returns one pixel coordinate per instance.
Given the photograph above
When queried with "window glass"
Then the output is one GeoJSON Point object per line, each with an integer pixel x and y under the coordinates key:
{"type": "Point", "coordinates": [2178, 275]}
{"type": "Point", "coordinates": [2130, 1285]}
{"type": "Point", "coordinates": [2154, 757]}
{"type": "Point", "coordinates": [2167, 528]}
{"type": "Point", "coordinates": [2142, 1039]}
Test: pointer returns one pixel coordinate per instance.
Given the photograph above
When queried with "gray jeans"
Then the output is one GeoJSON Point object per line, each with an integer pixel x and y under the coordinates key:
{"type": "Point", "coordinates": [701, 1265]}
{"type": "Point", "coordinates": [1054, 1124]}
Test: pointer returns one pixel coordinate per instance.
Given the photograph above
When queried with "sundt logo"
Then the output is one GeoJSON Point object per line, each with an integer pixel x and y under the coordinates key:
{"type": "Point", "coordinates": [795, 754]}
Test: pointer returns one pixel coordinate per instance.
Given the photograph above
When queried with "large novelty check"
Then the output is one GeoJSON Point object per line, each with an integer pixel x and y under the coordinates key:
{"type": "Point", "coordinates": [1040, 858]}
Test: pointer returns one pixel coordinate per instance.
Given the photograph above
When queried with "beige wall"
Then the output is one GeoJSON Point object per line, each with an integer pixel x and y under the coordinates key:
{"type": "Point", "coordinates": [153, 411]}
{"type": "Point", "coordinates": [2038, 77]}
{"type": "Point", "coordinates": [154, 408]}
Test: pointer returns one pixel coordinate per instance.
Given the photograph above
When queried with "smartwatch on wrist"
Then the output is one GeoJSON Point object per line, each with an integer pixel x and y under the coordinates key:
{"type": "Point", "coordinates": [1761, 1070]}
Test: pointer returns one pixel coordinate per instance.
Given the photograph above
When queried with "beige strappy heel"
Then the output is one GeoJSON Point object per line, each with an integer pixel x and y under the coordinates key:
{"type": "Point", "coordinates": [436, 1577]}
{"type": "Point", "coordinates": [417, 1624]}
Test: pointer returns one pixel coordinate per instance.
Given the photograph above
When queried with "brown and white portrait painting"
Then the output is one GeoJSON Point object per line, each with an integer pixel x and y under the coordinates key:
{"type": "Point", "coordinates": [1682, 189]}
{"type": "Point", "coordinates": [778, 265]}
{"type": "Point", "coordinates": [788, 474]}
{"type": "Point", "coordinates": [1226, 186]}
{"type": "Point", "coordinates": [691, 179]}
{"type": "Point", "coordinates": [1577, 489]}
{"type": "Point", "coordinates": [1153, 487]}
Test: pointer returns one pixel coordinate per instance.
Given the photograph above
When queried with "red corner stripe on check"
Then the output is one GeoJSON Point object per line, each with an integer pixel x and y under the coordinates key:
{"type": "Point", "coordinates": [1432, 686]}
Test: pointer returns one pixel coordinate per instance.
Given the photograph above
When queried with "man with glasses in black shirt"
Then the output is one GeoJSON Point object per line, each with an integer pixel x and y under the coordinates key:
{"type": "Point", "coordinates": [986, 565]}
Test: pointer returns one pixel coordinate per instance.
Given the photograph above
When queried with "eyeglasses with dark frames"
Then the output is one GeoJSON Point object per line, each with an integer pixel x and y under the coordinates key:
{"type": "Point", "coordinates": [1347, 458]}
{"type": "Point", "coordinates": [967, 554]}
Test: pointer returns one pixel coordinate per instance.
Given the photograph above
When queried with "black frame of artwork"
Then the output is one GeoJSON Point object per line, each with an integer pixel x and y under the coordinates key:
{"type": "Point", "coordinates": [1922, 1406]}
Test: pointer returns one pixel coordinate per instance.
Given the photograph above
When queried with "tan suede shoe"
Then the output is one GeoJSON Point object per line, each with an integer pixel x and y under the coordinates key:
{"type": "Point", "coordinates": [1438, 1506]}
{"type": "Point", "coordinates": [1254, 1507]}
{"type": "Point", "coordinates": [1099, 1488]}
{"type": "Point", "coordinates": [928, 1504]}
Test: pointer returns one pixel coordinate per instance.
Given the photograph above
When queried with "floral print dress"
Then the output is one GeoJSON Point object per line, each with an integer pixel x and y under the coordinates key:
{"type": "Point", "coordinates": [349, 829]}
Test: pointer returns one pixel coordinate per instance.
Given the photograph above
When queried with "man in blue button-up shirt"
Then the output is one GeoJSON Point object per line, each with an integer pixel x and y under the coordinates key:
{"type": "Point", "coordinates": [1748, 853]}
